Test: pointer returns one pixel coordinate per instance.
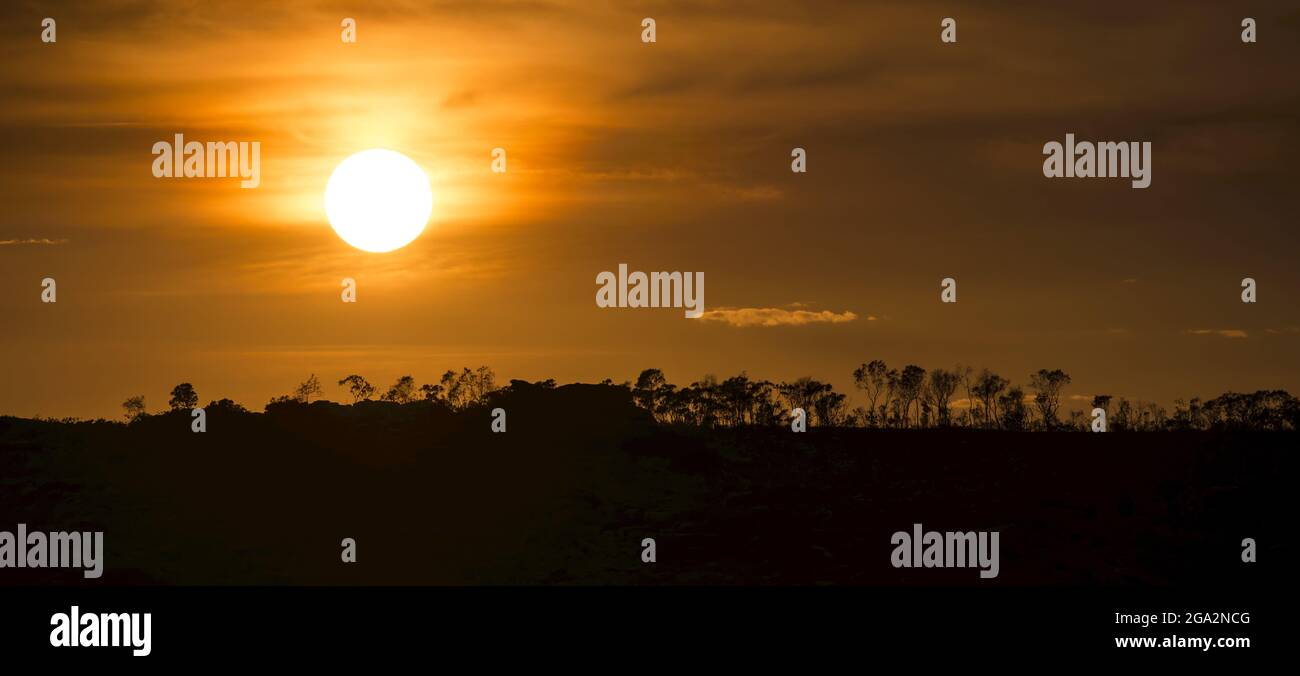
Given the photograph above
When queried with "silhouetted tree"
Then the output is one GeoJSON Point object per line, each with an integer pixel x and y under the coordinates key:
{"type": "Point", "coordinates": [1078, 421]}
{"type": "Point", "coordinates": [861, 417]}
{"type": "Point", "coordinates": [830, 408]}
{"type": "Point", "coordinates": [824, 406]}
{"type": "Point", "coordinates": [1153, 416]}
{"type": "Point", "coordinates": [1138, 416]}
{"type": "Point", "coordinates": [225, 405]}
{"type": "Point", "coordinates": [451, 391]}
{"type": "Point", "coordinates": [402, 391]}
{"type": "Point", "coordinates": [748, 402]}
{"type": "Point", "coordinates": [889, 409]}
{"type": "Point", "coordinates": [468, 387]}
{"type": "Point", "coordinates": [801, 393]}
{"type": "Point", "coordinates": [1047, 386]}
{"type": "Point", "coordinates": [432, 392]}
{"type": "Point", "coordinates": [183, 397]}
{"type": "Point", "coordinates": [1261, 410]}
{"type": "Point", "coordinates": [1124, 419]}
{"type": "Point", "coordinates": [134, 407]}
{"type": "Point", "coordinates": [705, 401]}
{"type": "Point", "coordinates": [910, 382]}
{"type": "Point", "coordinates": [649, 390]}
{"type": "Point", "coordinates": [871, 378]}
{"type": "Point", "coordinates": [941, 387]}
{"type": "Point", "coordinates": [966, 374]}
{"type": "Point", "coordinates": [1187, 415]}
{"type": "Point", "coordinates": [307, 389]}
{"type": "Point", "coordinates": [989, 387]}
{"type": "Point", "coordinates": [1102, 401]}
{"type": "Point", "coordinates": [358, 387]}
{"type": "Point", "coordinates": [485, 382]}
{"type": "Point", "coordinates": [1015, 416]}
{"type": "Point", "coordinates": [674, 405]}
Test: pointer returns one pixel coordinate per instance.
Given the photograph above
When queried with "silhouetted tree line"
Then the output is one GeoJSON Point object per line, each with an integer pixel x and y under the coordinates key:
{"type": "Point", "coordinates": [906, 398]}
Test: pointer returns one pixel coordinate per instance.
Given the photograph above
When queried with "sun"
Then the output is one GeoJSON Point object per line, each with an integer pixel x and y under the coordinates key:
{"type": "Point", "coordinates": [378, 200]}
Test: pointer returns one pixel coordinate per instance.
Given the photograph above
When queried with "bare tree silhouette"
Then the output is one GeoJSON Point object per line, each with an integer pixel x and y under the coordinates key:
{"type": "Point", "coordinates": [358, 387]}
{"type": "Point", "coordinates": [307, 389]}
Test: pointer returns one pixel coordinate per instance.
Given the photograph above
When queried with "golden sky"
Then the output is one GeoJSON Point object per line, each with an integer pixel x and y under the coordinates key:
{"type": "Point", "coordinates": [924, 162]}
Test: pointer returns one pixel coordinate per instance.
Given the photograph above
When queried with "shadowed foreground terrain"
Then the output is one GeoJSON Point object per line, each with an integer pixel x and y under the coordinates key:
{"type": "Point", "coordinates": [582, 475]}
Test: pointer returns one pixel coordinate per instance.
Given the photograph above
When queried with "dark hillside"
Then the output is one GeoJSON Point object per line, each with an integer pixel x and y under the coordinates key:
{"type": "Point", "coordinates": [566, 495]}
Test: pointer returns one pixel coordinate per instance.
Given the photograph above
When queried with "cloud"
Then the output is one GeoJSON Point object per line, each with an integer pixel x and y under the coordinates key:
{"type": "Point", "coordinates": [772, 316]}
{"type": "Point", "coordinates": [1225, 333]}
{"type": "Point", "coordinates": [40, 242]}
{"type": "Point", "coordinates": [750, 193]}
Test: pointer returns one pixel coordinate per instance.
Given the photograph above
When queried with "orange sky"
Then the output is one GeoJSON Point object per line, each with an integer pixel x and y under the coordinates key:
{"type": "Point", "coordinates": [924, 163]}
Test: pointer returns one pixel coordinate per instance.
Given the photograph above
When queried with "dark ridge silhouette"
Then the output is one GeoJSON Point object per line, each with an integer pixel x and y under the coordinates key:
{"type": "Point", "coordinates": [585, 472]}
{"type": "Point", "coordinates": [908, 399]}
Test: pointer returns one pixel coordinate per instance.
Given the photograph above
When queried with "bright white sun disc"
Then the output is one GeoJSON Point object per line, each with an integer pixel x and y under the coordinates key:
{"type": "Point", "coordinates": [378, 200]}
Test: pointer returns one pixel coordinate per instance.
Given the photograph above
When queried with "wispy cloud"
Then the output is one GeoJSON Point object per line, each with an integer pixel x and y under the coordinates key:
{"type": "Point", "coordinates": [29, 241]}
{"type": "Point", "coordinates": [1224, 333]}
{"type": "Point", "coordinates": [750, 193]}
{"type": "Point", "coordinates": [772, 316]}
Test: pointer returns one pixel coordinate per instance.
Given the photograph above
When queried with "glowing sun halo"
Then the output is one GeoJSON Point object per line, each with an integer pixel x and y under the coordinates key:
{"type": "Point", "coordinates": [378, 200]}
